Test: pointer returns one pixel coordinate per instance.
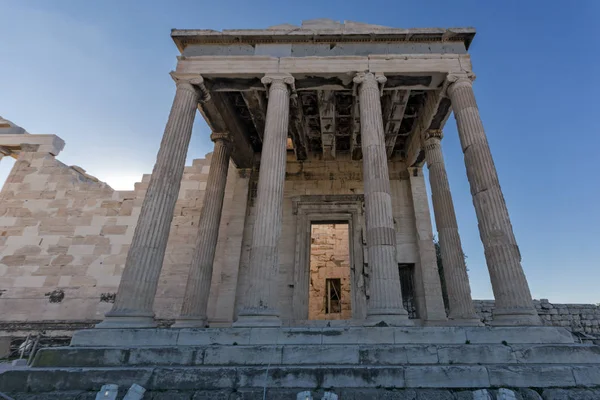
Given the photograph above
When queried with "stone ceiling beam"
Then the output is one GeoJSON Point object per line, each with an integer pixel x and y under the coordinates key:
{"type": "Point", "coordinates": [221, 117]}
{"type": "Point", "coordinates": [436, 100]}
{"type": "Point", "coordinates": [393, 113]}
{"type": "Point", "coordinates": [258, 110]}
{"type": "Point", "coordinates": [297, 128]}
{"type": "Point", "coordinates": [327, 117]}
{"type": "Point", "coordinates": [355, 144]}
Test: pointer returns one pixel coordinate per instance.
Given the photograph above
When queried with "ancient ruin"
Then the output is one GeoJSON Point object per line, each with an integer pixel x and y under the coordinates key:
{"type": "Point", "coordinates": [303, 241]}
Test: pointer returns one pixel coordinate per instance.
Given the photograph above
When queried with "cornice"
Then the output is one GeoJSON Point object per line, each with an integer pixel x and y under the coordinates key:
{"type": "Point", "coordinates": [185, 37]}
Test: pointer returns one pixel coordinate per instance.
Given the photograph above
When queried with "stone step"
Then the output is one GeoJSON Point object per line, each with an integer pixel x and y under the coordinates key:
{"type": "Point", "coordinates": [301, 336]}
{"type": "Point", "coordinates": [366, 355]}
{"type": "Point", "coordinates": [36, 380]}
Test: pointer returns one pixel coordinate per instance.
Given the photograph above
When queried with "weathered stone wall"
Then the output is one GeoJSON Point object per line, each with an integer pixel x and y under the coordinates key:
{"type": "Point", "coordinates": [64, 237]}
{"type": "Point", "coordinates": [341, 176]}
{"type": "Point", "coordinates": [329, 259]}
{"type": "Point", "coordinates": [584, 318]}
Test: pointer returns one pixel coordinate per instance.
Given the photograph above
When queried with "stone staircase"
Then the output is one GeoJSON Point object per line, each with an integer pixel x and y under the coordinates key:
{"type": "Point", "coordinates": [383, 360]}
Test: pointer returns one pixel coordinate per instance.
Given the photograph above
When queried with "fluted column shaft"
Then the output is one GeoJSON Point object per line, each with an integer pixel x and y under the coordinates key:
{"type": "Point", "coordinates": [260, 300]}
{"type": "Point", "coordinates": [135, 297]}
{"type": "Point", "coordinates": [514, 305]}
{"type": "Point", "coordinates": [455, 269]}
{"type": "Point", "coordinates": [385, 301]}
{"type": "Point", "coordinates": [195, 301]}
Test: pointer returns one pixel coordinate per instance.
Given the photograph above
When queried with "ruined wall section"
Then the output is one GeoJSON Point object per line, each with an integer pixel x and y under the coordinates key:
{"type": "Point", "coordinates": [64, 238]}
{"type": "Point", "coordinates": [581, 318]}
{"type": "Point", "coordinates": [315, 176]}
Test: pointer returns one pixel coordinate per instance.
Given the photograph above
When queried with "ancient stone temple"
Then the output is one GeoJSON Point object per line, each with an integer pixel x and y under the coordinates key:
{"type": "Point", "coordinates": [303, 243]}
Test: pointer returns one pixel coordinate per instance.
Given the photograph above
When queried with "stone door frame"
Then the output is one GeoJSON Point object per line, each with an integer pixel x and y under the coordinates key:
{"type": "Point", "coordinates": [310, 209]}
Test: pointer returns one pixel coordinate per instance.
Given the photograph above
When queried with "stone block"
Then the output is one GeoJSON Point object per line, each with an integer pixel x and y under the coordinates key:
{"type": "Point", "coordinates": [349, 377]}
{"type": "Point", "coordinates": [114, 230]}
{"type": "Point", "coordinates": [476, 354]}
{"type": "Point", "coordinates": [587, 375]}
{"type": "Point", "coordinates": [212, 336]}
{"type": "Point", "coordinates": [5, 342]}
{"type": "Point", "coordinates": [88, 357]}
{"type": "Point", "coordinates": [398, 355]}
{"type": "Point", "coordinates": [446, 376]}
{"type": "Point", "coordinates": [281, 377]}
{"type": "Point", "coordinates": [374, 335]}
{"type": "Point", "coordinates": [89, 379]}
{"type": "Point", "coordinates": [162, 356]}
{"type": "Point", "coordinates": [287, 336]}
{"type": "Point", "coordinates": [570, 394]}
{"type": "Point", "coordinates": [514, 335]}
{"type": "Point", "coordinates": [29, 281]}
{"type": "Point", "coordinates": [558, 354]}
{"type": "Point", "coordinates": [320, 354]}
{"type": "Point", "coordinates": [243, 355]}
{"type": "Point", "coordinates": [191, 378]}
{"type": "Point", "coordinates": [13, 381]}
{"type": "Point", "coordinates": [81, 249]}
{"type": "Point", "coordinates": [21, 362]}
{"type": "Point", "coordinates": [531, 376]}
{"type": "Point", "coordinates": [179, 395]}
{"type": "Point", "coordinates": [102, 337]}
{"type": "Point", "coordinates": [429, 335]}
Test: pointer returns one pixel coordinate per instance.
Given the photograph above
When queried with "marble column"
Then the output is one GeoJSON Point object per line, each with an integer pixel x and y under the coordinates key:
{"type": "Point", "coordinates": [195, 301]}
{"type": "Point", "coordinates": [385, 301]}
{"type": "Point", "coordinates": [514, 305]}
{"type": "Point", "coordinates": [259, 303]}
{"type": "Point", "coordinates": [460, 302]}
{"type": "Point", "coordinates": [135, 297]}
{"type": "Point", "coordinates": [428, 288]}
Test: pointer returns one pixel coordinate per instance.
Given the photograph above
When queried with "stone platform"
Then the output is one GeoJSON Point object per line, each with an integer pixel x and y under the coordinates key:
{"type": "Point", "coordinates": [376, 359]}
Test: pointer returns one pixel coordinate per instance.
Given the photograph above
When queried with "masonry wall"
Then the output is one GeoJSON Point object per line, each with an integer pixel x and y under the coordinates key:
{"type": "Point", "coordinates": [329, 259]}
{"type": "Point", "coordinates": [314, 176]}
{"type": "Point", "coordinates": [64, 237]}
{"type": "Point", "coordinates": [584, 318]}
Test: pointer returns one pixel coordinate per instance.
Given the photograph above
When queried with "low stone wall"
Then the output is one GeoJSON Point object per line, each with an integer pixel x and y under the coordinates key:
{"type": "Point", "coordinates": [578, 318]}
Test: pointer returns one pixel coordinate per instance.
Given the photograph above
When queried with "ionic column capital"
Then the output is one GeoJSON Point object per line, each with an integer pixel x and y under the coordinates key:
{"type": "Point", "coordinates": [456, 79]}
{"type": "Point", "coordinates": [220, 137]}
{"type": "Point", "coordinates": [433, 134]}
{"type": "Point", "coordinates": [193, 83]}
{"type": "Point", "coordinates": [278, 82]}
{"type": "Point", "coordinates": [370, 80]}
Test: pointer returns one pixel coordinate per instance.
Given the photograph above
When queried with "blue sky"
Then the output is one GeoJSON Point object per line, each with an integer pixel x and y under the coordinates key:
{"type": "Point", "coordinates": [96, 74]}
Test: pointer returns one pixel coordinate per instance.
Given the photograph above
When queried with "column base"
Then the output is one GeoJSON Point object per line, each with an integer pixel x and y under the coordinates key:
{"type": "Point", "coordinates": [515, 318]}
{"type": "Point", "coordinates": [190, 322]}
{"type": "Point", "coordinates": [253, 321]}
{"type": "Point", "coordinates": [388, 320]}
{"type": "Point", "coordinates": [127, 321]}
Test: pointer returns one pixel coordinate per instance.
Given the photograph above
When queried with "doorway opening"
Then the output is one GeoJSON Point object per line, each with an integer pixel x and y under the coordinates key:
{"type": "Point", "coordinates": [407, 278]}
{"type": "Point", "coordinates": [329, 290]}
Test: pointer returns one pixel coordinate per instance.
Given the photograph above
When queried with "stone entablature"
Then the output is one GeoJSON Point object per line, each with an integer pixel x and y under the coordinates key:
{"type": "Point", "coordinates": [315, 36]}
